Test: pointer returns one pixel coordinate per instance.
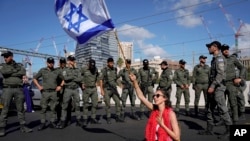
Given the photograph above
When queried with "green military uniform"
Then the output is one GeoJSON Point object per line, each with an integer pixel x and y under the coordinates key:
{"type": "Point", "coordinates": [242, 74]}
{"type": "Point", "coordinates": [12, 88]}
{"type": "Point", "coordinates": [231, 89]}
{"type": "Point", "coordinates": [165, 82]}
{"type": "Point", "coordinates": [109, 78]}
{"type": "Point", "coordinates": [59, 95]}
{"type": "Point", "coordinates": [181, 77]}
{"type": "Point", "coordinates": [216, 81]}
{"type": "Point", "coordinates": [49, 95]}
{"type": "Point", "coordinates": [90, 78]}
{"type": "Point", "coordinates": [200, 84]}
{"type": "Point", "coordinates": [128, 91]}
{"type": "Point", "coordinates": [147, 78]}
{"type": "Point", "coordinates": [72, 79]}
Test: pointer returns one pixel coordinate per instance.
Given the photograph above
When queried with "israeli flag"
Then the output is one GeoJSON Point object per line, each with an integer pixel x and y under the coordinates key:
{"type": "Point", "coordinates": [83, 19]}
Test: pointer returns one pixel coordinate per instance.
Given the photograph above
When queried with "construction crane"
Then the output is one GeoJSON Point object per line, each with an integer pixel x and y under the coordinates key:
{"type": "Point", "coordinates": [204, 23]}
{"type": "Point", "coordinates": [37, 47]}
{"type": "Point", "coordinates": [236, 32]}
{"type": "Point", "coordinates": [54, 44]}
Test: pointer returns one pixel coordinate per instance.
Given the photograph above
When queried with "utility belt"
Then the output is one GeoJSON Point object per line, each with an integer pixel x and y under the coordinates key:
{"type": "Point", "coordinates": [90, 87]}
{"type": "Point", "coordinates": [164, 88]}
{"type": "Point", "coordinates": [71, 87]}
{"type": "Point", "coordinates": [228, 81]}
{"type": "Point", "coordinates": [49, 90]}
{"type": "Point", "coordinates": [202, 83]}
{"type": "Point", "coordinates": [13, 86]}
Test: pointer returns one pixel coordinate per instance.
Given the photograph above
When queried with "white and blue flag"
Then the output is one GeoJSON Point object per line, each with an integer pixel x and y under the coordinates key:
{"type": "Point", "coordinates": [83, 19]}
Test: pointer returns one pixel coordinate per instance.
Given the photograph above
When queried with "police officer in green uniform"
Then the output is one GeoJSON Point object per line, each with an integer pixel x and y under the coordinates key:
{"type": "Point", "coordinates": [90, 77]}
{"type": "Point", "coordinates": [232, 80]}
{"type": "Point", "coordinates": [200, 82]}
{"type": "Point", "coordinates": [108, 86]}
{"type": "Point", "coordinates": [166, 78]}
{"type": "Point", "coordinates": [72, 81]}
{"type": "Point", "coordinates": [127, 89]}
{"type": "Point", "coordinates": [147, 77]}
{"type": "Point", "coordinates": [62, 69]}
{"type": "Point", "coordinates": [216, 90]}
{"type": "Point", "coordinates": [49, 89]}
{"type": "Point", "coordinates": [12, 88]}
{"type": "Point", "coordinates": [182, 81]}
{"type": "Point", "coordinates": [241, 87]}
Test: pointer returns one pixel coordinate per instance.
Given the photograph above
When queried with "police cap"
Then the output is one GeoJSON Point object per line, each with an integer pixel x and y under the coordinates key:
{"type": "Point", "coordinates": [50, 60]}
{"type": "Point", "coordinates": [182, 62]}
{"type": "Point", "coordinates": [224, 47]}
{"type": "Point", "coordinates": [164, 63]}
{"type": "Point", "coordinates": [203, 57]}
{"type": "Point", "coordinates": [71, 58]}
{"type": "Point", "coordinates": [217, 43]}
{"type": "Point", "coordinates": [110, 60]}
{"type": "Point", "coordinates": [7, 54]}
{"type": "Point", "coordinates": [128, 61]}
{"type": "Point", "coordinates": [62, 60]}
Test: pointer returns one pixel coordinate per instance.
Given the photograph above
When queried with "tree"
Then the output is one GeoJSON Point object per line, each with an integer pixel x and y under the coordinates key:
{"type": "Point", "coordinates": [120, 62]}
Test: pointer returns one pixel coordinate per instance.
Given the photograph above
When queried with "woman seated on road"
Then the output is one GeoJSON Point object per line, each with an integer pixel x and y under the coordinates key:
{"type": "Point", "coordinates": [162, 124]}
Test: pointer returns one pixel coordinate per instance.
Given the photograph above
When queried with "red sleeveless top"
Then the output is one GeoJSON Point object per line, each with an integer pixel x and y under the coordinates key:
{"type": "Point", "coordinates": [162, 135]}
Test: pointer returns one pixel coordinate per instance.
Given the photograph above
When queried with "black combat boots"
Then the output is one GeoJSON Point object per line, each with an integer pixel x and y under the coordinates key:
{"type": "Point", "coordinates": [208, 131]}
{"type": "Point", "coordinates": [226, 133]}
{"type": "Point", "coordinates": [2, 131]}
{"type": "Point", "coordinates": [25, 129]}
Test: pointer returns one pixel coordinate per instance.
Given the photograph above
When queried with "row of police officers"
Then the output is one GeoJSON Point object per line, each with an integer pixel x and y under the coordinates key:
{"type": "Point", "coordinates": [60, 89]}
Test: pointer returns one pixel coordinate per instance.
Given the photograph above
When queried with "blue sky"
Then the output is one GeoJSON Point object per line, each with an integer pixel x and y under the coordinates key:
{"type": "Point", "coordinates": [172, 29]}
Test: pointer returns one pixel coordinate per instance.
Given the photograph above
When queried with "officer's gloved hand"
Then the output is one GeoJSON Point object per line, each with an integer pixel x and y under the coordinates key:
{"type": "Point", "coordinates": [242, 82]}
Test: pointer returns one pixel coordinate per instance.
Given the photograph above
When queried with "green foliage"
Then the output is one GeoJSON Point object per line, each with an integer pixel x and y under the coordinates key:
{"type": "Point", "coordinates": [119, 62]}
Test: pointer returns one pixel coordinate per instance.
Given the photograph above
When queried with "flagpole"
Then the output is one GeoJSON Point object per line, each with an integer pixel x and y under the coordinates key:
{"type": "Point", "coordinates": [120, 46]}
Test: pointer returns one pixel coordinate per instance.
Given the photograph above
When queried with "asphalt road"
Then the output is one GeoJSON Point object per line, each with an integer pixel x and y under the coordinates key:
{"type": "Point", "coordinates": [130, 130]}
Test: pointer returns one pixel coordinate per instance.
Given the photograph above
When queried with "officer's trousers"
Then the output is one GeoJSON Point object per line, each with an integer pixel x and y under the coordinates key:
{"type": "Point", "coordinates": [92, 94]}
{"type": "Point", "coordinates": [68, 94]}
{"type": "Point", "coordinates": [178, 98]}
{"type": "Point", "coordinates": [231, 92]}
{"type": "Point", "coordinates": [48, 98]}
{"type": "Point", "coordinates": [108, 94]}
{"type": "Point", "coordinates": [7, 97]}
{"type": "Point", "coordinates": [218, 99]}
{"type": "Point", "coordinates": [198, 89]}
{"type": "Point", "coordinates": [125, 93]}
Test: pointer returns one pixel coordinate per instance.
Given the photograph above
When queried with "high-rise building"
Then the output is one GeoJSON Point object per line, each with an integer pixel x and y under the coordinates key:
{"type": "Point", "coordinates": [127, 50]}
{"type": "Point", "coordinates": [99, 49]}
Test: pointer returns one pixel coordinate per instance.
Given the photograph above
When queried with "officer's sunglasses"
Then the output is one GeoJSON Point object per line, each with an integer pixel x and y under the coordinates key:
{"type": "Point", "coordinates": [157, 95]}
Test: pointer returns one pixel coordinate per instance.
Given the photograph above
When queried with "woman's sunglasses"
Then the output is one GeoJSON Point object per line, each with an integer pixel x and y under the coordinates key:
{"type": "Point", "coordinates": [157, 95]}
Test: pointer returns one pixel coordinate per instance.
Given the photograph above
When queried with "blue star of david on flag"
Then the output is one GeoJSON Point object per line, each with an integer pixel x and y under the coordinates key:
{"type": "Point", "coordinates": [80, 20]}
{"type": "Point", "coordinates": [69, 16]}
